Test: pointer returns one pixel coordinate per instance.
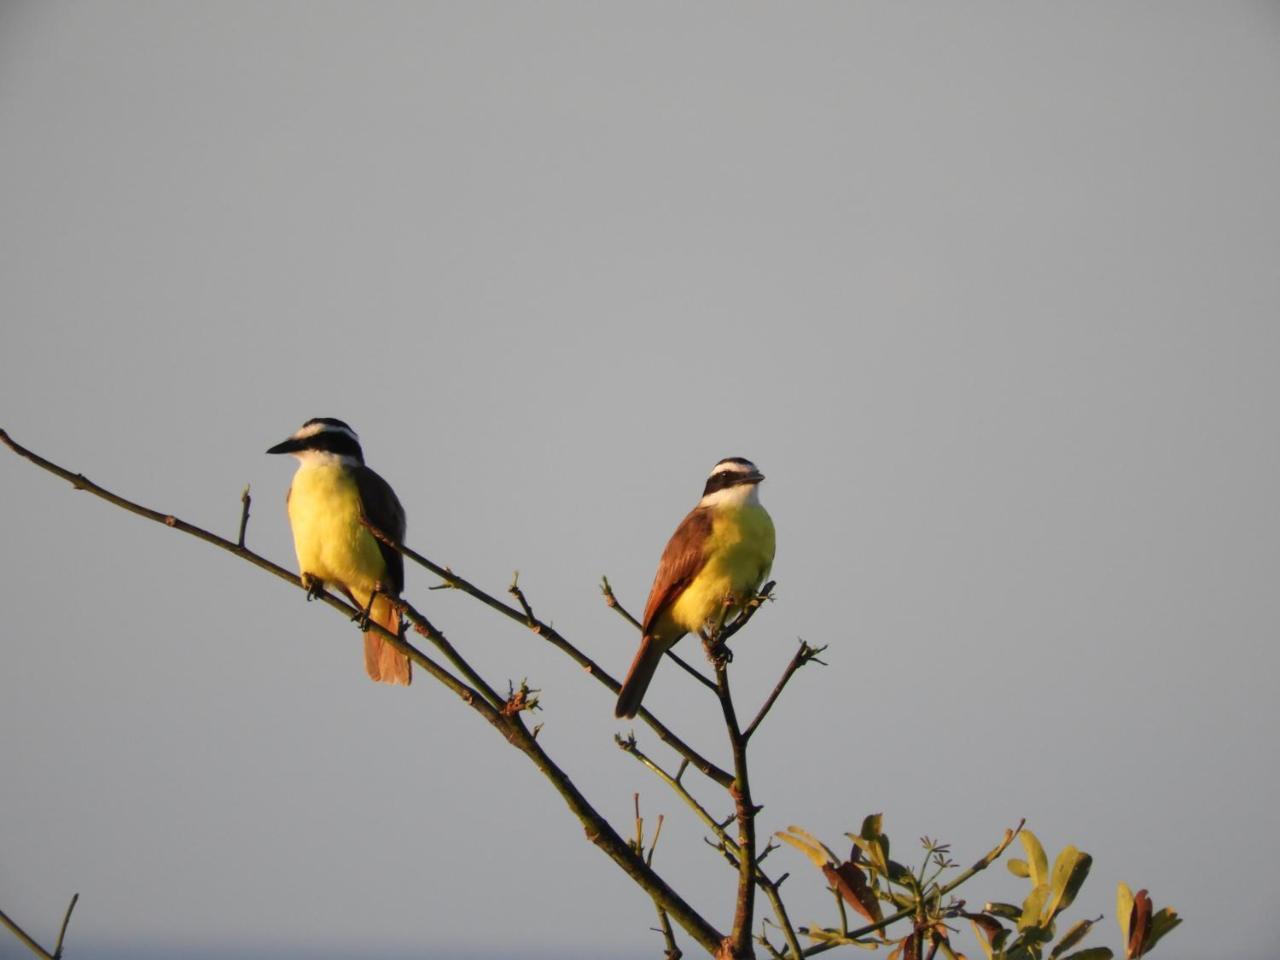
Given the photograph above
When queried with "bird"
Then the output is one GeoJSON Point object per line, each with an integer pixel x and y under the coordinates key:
{"type": "Point", "coordinates": [331, 494]}
{"type": "Point", "coordinates": [723, 549]}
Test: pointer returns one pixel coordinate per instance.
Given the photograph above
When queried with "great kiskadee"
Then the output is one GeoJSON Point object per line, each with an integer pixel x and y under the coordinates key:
{"type": "Point", "coordinates": [722, 549]}
{"type": "Point", "coordinates": [331, 491]}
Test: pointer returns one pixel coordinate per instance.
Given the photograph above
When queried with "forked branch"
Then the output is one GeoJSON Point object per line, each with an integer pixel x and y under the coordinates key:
{"type": "Point", "coordinates": [509, 724]}
{"type": "Point", "coordinates": [29, 941]}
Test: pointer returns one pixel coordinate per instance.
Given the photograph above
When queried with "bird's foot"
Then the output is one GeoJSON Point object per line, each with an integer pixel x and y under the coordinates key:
{"type": "Point", "coordinates": [365, 616]}
{"type": "Point", "coordinates": [718, 652]}
{"type": "Point", "coordinates": [313, 585]}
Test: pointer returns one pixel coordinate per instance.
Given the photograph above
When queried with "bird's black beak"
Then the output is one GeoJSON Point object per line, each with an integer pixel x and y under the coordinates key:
{"type": "Point", "coordinates": [288, 446]}
{"type": "Point", "coordinates": [754, 477]}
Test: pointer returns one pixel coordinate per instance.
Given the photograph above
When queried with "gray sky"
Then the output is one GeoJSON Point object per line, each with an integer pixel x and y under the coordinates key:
{"type": "Point", "coordinates": [989, 292]}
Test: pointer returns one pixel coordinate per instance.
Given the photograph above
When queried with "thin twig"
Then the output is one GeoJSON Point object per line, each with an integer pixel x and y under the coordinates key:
{"type": "Point", "coordinates": [516, 592]}
{"type": "Point", "coordinates": [552, 636]}
{"type": "Point", "coordinates": [598, 830]}
{"type": "Point", "coordinates": [802, 656]}
{"type": "Point", "coordinates": [726, 630]}
{"type": "Point", "coordinates": [429, 630]}
{"type": "Point", "coordinates": [245, 500]}
{"type": "Point", "coordinates": [691, 670]}
{"type": "Point", "coordinates": [611, 601]}
{"type": "Point", "coordinates": [726, 843]}
{"type": "Point", "coordinates": [57, 949]}
{"type": "Point", "coordinates": [672, 951]}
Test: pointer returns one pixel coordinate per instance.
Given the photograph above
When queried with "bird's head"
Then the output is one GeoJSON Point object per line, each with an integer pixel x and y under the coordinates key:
{"type": "Point", "coordinates": [322, 438]}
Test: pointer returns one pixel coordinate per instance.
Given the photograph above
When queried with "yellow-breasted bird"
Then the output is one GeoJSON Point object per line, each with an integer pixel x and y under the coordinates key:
{"type": "Point", "coordinates": [723, 548]}
{"type": "Point", "coordinates": [331, 491]}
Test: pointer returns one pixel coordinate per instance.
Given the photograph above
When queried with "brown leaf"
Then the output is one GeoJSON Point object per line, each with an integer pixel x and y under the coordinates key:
{"type": "Point", "coordinates": [851, 883]}
{"type": "Point", "coordinates": [1139, 923]}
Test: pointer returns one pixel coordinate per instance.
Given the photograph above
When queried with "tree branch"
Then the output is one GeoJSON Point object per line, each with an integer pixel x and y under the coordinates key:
{"type": "Point", "coordinates": [803, 656]}
{"type": "Point", "coordinates": [611, 601]}
{"type": "Point", "coordinates": [245, 500]}
{"type": "Point", "coordinates": [745, 812]}
{"type": "Point", "coordinates": [27, 940]}
{"type": "Point", "coordinates": [62, 934]}
{"type": "Point", "coordinates": [552, 636]}
{"type": "Point", "coordinates": [598, 830]}
{"type": "Point", "coordinates": [766, 883]}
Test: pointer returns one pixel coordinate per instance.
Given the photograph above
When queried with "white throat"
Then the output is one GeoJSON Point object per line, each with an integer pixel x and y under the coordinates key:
{"type": "Point", "coordinates": [308, 459]}
{"type": "Point", "coordinates": [744, 494]}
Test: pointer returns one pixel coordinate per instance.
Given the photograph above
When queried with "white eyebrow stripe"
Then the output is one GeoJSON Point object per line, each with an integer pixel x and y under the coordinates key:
{"type": "Point", "coordinates": [732, 468]}
{"type": "Point", "coordinates": [315, 428]}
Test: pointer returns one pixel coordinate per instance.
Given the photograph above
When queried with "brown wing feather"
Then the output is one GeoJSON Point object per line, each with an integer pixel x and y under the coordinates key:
{"type": "Point", "coordinates": [683, 557]}
{"type": "Point", "coordinates": [382, 509]}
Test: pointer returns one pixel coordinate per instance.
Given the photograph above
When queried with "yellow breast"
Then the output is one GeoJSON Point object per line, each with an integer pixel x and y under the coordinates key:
{"type": "Point", "coordinates": [331, 543]}
{"type": "Point", "coordinates": [739, 556]}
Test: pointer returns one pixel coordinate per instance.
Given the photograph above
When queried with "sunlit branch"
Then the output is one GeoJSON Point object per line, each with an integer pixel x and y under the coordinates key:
{"type": "Point", "coordinates": [598, 830]}
{"type": "Point", "coordinates": [802, 656]}
{"type": "Point", "coordinates": [552, 636]}
{"type": "Point", "coordinates": [29, 941]}
{"type": "Point", "coordinates": [676, 783]}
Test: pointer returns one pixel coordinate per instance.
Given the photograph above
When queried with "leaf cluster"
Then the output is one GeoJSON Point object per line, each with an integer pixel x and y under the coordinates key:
{"type": "Point", "coordinates": [887, 893]}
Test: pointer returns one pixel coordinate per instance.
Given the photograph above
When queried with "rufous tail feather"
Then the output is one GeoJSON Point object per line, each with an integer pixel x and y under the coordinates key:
{"type": "Point", "coordinates": [638, 678]}
{"type": "Point", "coordinates": [382, 661]}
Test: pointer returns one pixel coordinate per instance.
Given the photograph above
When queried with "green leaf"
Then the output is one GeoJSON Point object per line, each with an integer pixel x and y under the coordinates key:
{"type": "Point", "coordinates": [1069, 873]}
{"type": "Point", "coordinates": [1019, 868]}
{"type": "Point", "coordinates": [1006, 911]}
{"type": "Point", "coordinates": [1078, 932]}
{"type": "Point", "coordinates": [873, 843]}
{"type": "Point", "coordinates": [1164, 920]}
{"type": "Point", "coordinates": [1037, 862]}
{"type": "Point", "coordinates": [1124, 910]}
{"type": "Point", "coordinates": [1032, 907]}
{"type": "Point", "coordinates": [1093, 953]}
{"type": "Point", "coordinates": [899, 874]}
{"type": "Point", "coordinates": [1028, 944]}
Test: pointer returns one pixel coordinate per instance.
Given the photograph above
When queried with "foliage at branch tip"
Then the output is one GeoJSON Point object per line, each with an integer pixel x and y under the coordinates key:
{"type": "Point", "coordinates": [871, 882]}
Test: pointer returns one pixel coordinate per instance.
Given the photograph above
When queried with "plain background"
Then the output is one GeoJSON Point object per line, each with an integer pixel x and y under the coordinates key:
{"type": "Point", "coordinates": [989, 291]}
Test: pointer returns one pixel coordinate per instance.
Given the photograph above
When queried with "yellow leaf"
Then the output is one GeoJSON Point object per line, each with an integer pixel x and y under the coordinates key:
{"type": "Point", "coordinates": [1124, 910]}
{"type": "Point", "coordinates": [1037, 862]}
{"type": "Point", "coordinates": [1069, 872]}
{"type": "Point", "coordinates": [1032, 906]}
{"type": "Point", "coordinates": [807, 844]}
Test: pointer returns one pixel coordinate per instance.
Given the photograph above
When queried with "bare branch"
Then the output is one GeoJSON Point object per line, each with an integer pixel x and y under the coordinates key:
{"type": "Point", "coordinates": [745, 811]}
{"type": "Point", "coordinates": [727, 630]}
{"type": "Point", "coordinates": [611, 601]}
{"type": "Point", "coordinates": [552, 636]}
{"type": "Point", "coordinates": [803, 656]}
{"type": "Point", "coordinates": [691, 670]}
{"type": "Point", "coordinates": [245, 500]}
{"type": "Point", "coordinates": [598, 830]}
{"type": "Point", "coordinates": [515, 591]}
{"type": "Point", "coordinates": [27, 940]}
{"type": "Point", "coordinates": [62, 934]}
